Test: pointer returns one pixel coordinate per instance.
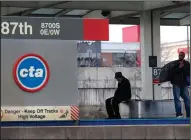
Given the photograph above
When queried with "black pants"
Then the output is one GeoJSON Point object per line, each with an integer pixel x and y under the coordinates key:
{"type": "Point", "coordinates": [112, 107]}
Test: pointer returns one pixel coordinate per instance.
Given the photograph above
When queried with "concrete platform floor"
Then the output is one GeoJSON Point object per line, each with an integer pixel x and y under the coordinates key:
{"type": "Point", "coordinates": [98, 129]}
{"type": "Point", "coordinates": [98, 132]}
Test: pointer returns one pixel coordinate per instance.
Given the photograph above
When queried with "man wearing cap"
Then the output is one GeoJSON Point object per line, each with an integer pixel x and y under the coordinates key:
{"type": "Point", "coordinates": [123, 93]}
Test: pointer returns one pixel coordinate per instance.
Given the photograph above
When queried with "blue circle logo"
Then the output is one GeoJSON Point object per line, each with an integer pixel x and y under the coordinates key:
{"type": "Point", "coordinates": [31, 72]}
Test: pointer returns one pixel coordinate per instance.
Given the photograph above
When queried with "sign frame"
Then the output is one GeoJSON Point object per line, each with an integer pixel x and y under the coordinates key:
{"type": "Point", "coordinates": [15, 77]}
{"type": "Point", "coordinates": [155, 77]}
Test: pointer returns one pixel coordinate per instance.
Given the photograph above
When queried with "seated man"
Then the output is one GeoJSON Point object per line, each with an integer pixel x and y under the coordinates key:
{"type": "Point", "coordinates": [122, 93]}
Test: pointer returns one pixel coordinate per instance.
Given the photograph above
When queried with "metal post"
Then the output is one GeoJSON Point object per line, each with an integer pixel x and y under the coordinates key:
{"type": "Point", "coordinates": [190, 48]}
{"type": "Point", "coordinates": [188, 43]}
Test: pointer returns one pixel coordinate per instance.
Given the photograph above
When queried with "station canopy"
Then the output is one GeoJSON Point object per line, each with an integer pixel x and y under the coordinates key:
{"type": "Point", "coordinates": [174, 13]}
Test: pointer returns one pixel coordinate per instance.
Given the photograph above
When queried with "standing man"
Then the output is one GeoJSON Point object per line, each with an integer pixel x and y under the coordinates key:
{"type": "Point", "coordinates": [179, 74]}
{"type": "Point", "coordinates": [122, 93]}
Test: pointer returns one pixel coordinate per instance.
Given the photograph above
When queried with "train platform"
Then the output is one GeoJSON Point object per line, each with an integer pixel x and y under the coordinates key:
{"type": "Point", "coordinates": [98, 129]}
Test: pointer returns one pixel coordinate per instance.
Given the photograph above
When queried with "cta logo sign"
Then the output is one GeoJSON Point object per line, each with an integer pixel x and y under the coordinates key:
{"type": "Point", "coordinates": [31, 72]}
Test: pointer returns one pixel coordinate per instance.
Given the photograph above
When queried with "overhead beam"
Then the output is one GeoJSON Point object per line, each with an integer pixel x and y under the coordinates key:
{"type": "Point", "coordinates": [152, 5]}
{"type": "Point", "coordinates": [136, 21]}
{"type": "Point", "coordinates": [99, 5]}
{"type": "Point", "coordinates": [26, 4]}
{"type": "Point", "coordinates": [12, 11]}
{"type": "Point", "coordinates": [21, 4]}
{"type": "Point", "coordinates": [127, 15]}
{"type": "Point", "coordinates": [160, 7]}
{"type": "Point", "coordinates": [106, 5]}
{"type": "Point", "coordinates": [148, 5]}
{"type": "Point", "coordinates": [168, 8]}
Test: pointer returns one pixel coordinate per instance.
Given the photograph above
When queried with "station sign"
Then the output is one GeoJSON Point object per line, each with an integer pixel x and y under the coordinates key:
{"type": "Point", "coordinates": [31, 72]}
{"type": "Point", "coordinates": [54, 28]}
{"type": "Point", "coordinates": [32, 28]}
{"type": "Point", "coordinates": [156, 74]}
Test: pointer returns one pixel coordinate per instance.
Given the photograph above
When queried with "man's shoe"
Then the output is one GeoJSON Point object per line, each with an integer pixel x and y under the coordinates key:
{"type": "Point", "coordinates": [180, 117]}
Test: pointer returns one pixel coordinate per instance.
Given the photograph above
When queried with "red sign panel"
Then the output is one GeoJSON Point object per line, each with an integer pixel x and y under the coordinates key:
{"type": "Point", "coordinates": [131, 34]}
{"type": "Point", "coordinates": [96, 29]}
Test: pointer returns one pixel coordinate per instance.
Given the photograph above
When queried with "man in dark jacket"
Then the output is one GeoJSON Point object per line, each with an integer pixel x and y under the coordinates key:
{"type": "Point", "coordinates": [123, 93]}
{"type": "Point", "coordinates": [179, 75]}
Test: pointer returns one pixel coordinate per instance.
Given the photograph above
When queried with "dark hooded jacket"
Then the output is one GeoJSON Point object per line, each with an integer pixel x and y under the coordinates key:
{"type": "Point", "coordinates": [123, 91]}
{"type": "Point", "coordinates": [178, 75]}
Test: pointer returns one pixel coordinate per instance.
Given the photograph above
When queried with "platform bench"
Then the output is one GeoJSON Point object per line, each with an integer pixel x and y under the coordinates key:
{"type": "Point", "coordinates": [147, 109]}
